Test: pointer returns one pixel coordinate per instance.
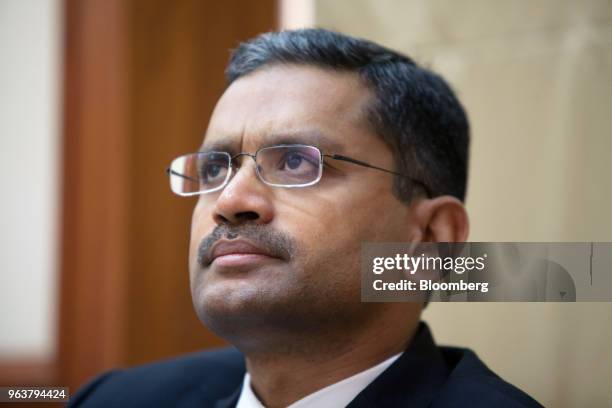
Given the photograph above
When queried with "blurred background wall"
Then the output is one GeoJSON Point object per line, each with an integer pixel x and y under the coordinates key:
{"type": "Point", "coordinates": [30, 100]}
{"type": "Point", "coordinates": [98, 96]}
{"type": "Point", "coordinates": [536, 80]}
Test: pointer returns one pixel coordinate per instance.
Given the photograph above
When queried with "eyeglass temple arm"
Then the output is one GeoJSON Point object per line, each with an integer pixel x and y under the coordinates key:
{"type": "Point", "coordinates": [170, 171]}
{"type": "Point", "coordinates": [361, 163]}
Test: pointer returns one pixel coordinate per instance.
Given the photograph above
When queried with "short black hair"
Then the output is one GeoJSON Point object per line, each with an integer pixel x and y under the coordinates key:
{"type": "Point", "coordinates": [414, 110]}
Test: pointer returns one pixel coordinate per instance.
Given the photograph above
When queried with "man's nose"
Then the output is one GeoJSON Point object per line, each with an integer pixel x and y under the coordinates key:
{"type": "Point", "coordinates": [245, 198]}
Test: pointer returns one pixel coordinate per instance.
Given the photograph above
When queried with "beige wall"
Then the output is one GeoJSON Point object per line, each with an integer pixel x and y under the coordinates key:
{"type": "Point", "coordinates": [30, 52]}
{"type": "Point", "coordinates": [536, 80]}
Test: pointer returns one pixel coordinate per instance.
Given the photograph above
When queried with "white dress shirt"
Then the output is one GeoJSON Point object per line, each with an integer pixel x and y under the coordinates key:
{"type": "Point", "coordinates": [337, 395]}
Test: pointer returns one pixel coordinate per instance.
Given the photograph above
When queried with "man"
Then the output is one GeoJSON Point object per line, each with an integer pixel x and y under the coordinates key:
{"type": "Point", "coordinates": [320, 142]}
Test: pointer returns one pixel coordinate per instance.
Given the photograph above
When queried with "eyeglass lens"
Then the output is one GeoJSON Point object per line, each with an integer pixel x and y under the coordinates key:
{"type": "Point", "coordinates": [284, 166]}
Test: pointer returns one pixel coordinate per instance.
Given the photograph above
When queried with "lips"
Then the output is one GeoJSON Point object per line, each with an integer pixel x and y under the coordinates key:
{"type": "Point", "coordinates": [236, 247]}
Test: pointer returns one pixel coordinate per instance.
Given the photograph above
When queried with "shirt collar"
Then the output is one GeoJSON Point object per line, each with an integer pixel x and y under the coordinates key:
{"type": "Point", "coordinates": [339, 394]}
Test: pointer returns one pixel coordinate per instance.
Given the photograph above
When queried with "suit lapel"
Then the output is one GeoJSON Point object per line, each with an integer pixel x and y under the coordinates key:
{"type": "Point", "coordinates": [413, 380]}
{"type": "Point", "coordinates": [230, 401]}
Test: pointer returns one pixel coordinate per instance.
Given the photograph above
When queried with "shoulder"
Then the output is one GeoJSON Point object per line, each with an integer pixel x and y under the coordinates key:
{"type": "Point", "coordinates": [194, 379]}
{"type": "Point", "coordinates": [472, 383]}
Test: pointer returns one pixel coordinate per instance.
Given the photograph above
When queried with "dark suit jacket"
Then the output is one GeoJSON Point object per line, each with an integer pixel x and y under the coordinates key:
{"type": "Point", "coordinates": [424, 376]}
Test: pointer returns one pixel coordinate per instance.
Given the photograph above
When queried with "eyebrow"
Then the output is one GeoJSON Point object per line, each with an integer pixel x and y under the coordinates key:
{"type": "Point", "coordinates": [308, 137]}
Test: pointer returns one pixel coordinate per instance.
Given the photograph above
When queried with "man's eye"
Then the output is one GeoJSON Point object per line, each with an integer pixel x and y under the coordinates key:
{"type": "Point", "coordinates": [296, 162]}
{"type": "Point", "coordinates": [293, 161]}
{"type": "Point", "coordinates": [212, 172]}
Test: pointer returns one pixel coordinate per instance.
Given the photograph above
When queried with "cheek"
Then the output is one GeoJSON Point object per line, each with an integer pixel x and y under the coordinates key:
{"type": "Point", "coordinates": [332, 230]}
{"type": "Point", "coordinates": [343, 227]}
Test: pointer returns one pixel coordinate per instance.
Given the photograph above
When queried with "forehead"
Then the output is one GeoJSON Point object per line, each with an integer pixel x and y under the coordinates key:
{"type": "Point", "coordinates": [290, 103]}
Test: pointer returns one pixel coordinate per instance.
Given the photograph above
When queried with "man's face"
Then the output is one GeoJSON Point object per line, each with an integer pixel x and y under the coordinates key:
{"type": "Point", "coordinates": [315, 233]}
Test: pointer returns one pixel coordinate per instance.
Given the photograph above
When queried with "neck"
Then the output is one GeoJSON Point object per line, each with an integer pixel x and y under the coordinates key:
{"type": "Point", "coordinates": [281, 378]}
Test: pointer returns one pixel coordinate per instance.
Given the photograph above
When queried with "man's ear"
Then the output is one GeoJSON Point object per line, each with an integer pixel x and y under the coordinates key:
{"type": "Point", "coordinates": [441, 219]}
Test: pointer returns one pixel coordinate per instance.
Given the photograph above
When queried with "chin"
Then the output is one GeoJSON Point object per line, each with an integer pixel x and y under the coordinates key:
{"type": "Point", "coordinates": [228, 305]}
{"type": "Point", "coordinates": [235, 291]}
{"type": "Point", "coordinates": [226, 295]}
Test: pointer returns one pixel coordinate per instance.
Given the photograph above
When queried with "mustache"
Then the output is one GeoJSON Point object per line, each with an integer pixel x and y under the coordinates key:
{"type": "Point", "coordinates": [276, 243]}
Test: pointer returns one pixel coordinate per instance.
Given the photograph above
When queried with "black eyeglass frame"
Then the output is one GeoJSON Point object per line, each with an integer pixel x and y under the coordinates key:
{"type": "Point", "coordinates": [322, 155]}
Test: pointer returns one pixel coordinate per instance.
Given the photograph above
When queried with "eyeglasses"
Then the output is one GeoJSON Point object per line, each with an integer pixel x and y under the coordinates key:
{"type": "Point", "coordinates": [287, 166]}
